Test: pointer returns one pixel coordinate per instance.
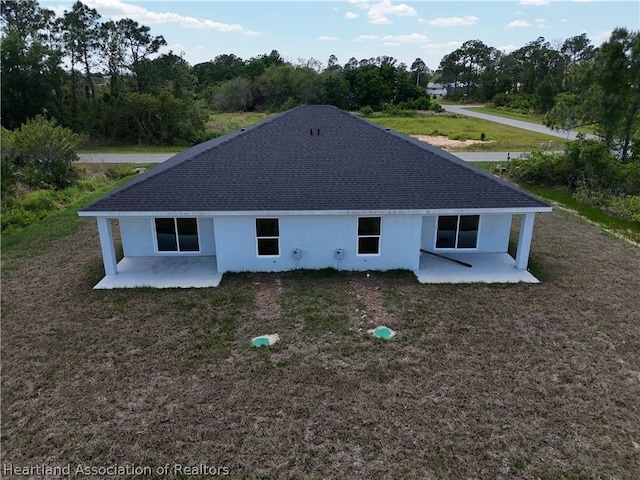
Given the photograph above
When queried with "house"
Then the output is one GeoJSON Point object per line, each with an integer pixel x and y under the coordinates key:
{"type": "Point", "coordinates": [313, 187]}
{"type": "Point", "coordinates": [438, 89]}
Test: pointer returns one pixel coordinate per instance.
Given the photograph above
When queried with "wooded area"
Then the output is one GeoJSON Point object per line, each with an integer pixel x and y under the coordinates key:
{"type": "Point", "coordinates": [78, 77]}
{"type": "Point", "coordinates": [107, 80]}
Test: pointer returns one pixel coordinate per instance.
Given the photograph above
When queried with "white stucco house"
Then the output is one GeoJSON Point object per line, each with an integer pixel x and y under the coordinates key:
{"type": "Point", "coordinates": [313, 188]}
{"type": "Point", "coordinates": [438, 89]}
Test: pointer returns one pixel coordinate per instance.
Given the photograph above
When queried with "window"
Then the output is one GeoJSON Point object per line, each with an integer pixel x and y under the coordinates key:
{"type": "Point", "coordinates": [268, 235]}
{"type": "Point", "coordinates": [177, 235]}
{"type": "Point", "coordinates": [457, 231]}
{"type": "Point", "coordinates": [368, 235]}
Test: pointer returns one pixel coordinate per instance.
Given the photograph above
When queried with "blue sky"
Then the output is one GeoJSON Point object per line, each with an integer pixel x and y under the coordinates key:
{"type": "Point", "coordinates": [201, 30]}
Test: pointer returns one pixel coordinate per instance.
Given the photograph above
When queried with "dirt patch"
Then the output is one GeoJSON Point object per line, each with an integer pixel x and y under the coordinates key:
{"type": "Point", "coordinates": [370, 311]}
{"type": "Point", "coordinates": [267, 306]}
{"type": "Point", "coordinates": [444, 142]}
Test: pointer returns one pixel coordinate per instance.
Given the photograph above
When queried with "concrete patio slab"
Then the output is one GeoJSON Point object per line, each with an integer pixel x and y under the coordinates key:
{"type": "Point", "coordinates": [164, 272]}
{"type": "Point", "coordinates": [486, 268]}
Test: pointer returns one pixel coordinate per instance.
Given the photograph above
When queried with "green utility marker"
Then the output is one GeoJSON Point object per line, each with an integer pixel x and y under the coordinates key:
{"type": "Point", "coordinates": [382, 332]}
{"type": "Point", "coordinates": [265, 340]}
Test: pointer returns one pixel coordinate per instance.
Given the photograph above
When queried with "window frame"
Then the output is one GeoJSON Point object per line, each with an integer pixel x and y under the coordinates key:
{"type": "Point", "coordinates": [177, 237]}
{"type": "Point", "coordinates": [267, 237]}
{"type": "Point", "coordinates": [378, 236]}
{"type": "Point", "coordinates": [457, 235]}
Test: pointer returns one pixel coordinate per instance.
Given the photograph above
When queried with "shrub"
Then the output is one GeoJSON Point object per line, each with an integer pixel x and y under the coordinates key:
{"type": "Point", "coordinates": [521, 102]}
{"type": "Point", "coordinates": [41, 153]}
{"type": "Point", "coordinates": [538, 168]}
{"type": "Point", "coordinates": [366, 111]}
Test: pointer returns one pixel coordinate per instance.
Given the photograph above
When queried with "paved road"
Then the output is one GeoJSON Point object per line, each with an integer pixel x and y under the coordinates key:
{"type": "Point", "coordinates": [161, 157]}
{"type": "Point", "coordinates": [463, 110]}
{"type": "Point", "coordinates": [124, 157]}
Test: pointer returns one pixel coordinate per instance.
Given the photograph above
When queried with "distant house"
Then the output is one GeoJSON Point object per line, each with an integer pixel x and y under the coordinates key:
{"type": "Point", "coordinates": [313, 187]}
{"type": "Point", "coordinates": [438, 89]}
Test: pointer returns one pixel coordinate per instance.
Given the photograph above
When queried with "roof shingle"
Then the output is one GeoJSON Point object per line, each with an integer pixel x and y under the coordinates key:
{"type": "Point", "coordinates": [313, 158]}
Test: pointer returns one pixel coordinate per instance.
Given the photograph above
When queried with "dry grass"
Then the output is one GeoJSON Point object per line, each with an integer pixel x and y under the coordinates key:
{"type": "Point", "coordinates": [482, 381]}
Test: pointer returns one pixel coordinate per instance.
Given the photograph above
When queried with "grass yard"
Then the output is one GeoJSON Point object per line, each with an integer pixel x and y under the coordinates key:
{"type": "Point", "coordinates": [499, 138]}
{"type": "Point", "coordinates": [222, 123]}
{"type": "Point", "coordinates": [499, 112]}
{"type": "Point", "coordinates": [482, 381]}
{"type": "Point", "coordinates": [537, 119]}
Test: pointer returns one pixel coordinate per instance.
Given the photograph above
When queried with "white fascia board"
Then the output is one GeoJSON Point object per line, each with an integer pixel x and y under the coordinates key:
{"type": "Point", "coordinates": [281, 213]}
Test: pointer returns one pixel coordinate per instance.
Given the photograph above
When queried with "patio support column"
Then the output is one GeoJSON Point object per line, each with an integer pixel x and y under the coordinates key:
{"type": "Point", "coordinates": [106, 244]}
{"type": "Point", "coordinates": [524, 241]}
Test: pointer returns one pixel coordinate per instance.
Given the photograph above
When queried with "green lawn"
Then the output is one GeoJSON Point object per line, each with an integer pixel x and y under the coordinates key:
{"type": "Point", "coordinates": [482, 381]}
{"type": "Point", "coordinates": [498, 137]}
{"type": "Point", "coordinates": [222, 123]}
{"type": "Point", "coordinates": [531, 118]}
{"type": "Point", "coordinates": [132, 149]}
{"type": "Point", "coordinates": [537, 119]}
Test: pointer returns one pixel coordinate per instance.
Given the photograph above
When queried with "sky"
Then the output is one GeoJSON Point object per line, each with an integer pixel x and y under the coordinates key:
{"type": "Point", "coordinates": [199, 30]}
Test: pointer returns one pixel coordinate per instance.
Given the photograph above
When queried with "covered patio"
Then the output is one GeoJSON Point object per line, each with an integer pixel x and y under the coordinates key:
{"type": "Point", "coordinates": [164, 272]}
{"type": "Point", "coordinates": [485, 268]}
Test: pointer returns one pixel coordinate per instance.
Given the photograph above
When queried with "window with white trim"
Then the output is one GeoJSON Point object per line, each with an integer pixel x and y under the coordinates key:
{"type": "Point", "coordinates": [268, 236]}
{"type": "Point", "coordinates": [457, 231]}
{"type": "Point", "coordinates": [177, 235]}
{"type": "Point", "coordinates": [369, 235]}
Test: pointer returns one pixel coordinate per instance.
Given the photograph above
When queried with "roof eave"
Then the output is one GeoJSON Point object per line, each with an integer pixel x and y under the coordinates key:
{"type": "Point", "coordinates": [278, 213]}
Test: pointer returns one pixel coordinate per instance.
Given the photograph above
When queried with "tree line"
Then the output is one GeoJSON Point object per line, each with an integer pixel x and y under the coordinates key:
{"type": "Point", "coordinates": [108, 81]}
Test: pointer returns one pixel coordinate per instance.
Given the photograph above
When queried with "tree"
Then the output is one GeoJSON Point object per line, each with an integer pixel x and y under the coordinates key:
{"type": "Point", "coordinates": [81, 36]}
{"type": "Point", "coordinates": [235, 95]}
{"type": "Point", "coordinates": [31, 74]}
{"type": "Point", "coordinates": [420, 73]}
{"type": "Point", "coordinates": [466, 64]}
{"type": "Point", "coordinates": [113, 52]}
{"type": "Point", "coordinates": [614, 100]}
{"type": "Point", "coordinates": [139, 44]}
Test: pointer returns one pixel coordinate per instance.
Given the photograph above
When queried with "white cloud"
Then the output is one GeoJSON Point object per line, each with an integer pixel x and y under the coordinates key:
{"type": "Point", "coordinates": [445, 47]}
{"type": "Point", "coordinates": [541, 23]}
{"type": "Point", "coordinates": [508, 48]}
{"type": "Point", "coordinates": [58, 9]}
{"type": "Point", "coordinates": [518, 24]}
{"type": "Point", "coordinates": [412, 38]}
{"type": "Point", "coordinates": [378, 14]}
{"type": "Point", "coordinates": [601, 37]}
{"type": "Point", "coordinates": [535, 2]}
{"type": "Point", "coordinates": [390, 44]}
{"type": "Point", "coordinates": [117, 9]}
{"type": "Point", "coordinates": [326, 38]}
{"type": "Point", "coordinates": [363, 4]}
{"type": "Point", "coordinates": [452, 21]}
{"type": "Point", "coordinates": [366, 38]}
{"type": "Point", "coordinates": [351, 16]}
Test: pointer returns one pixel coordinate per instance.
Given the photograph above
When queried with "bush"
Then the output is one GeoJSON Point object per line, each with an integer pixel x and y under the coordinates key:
{"type": "Point", "coordinates": [40, 154]}
{"type": "Point", "coordinates": [366, 111]}
{"type": "Point", "coordinates": [520, 102]}
{"type": "Point", "coordinates": [538, 168]}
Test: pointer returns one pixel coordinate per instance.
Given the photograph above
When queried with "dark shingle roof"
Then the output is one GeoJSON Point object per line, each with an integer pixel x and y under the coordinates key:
{"type": "Point", "coordinates": [313, 158]}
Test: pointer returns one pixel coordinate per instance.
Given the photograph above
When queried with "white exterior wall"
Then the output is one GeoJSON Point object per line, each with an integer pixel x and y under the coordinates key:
{"type": "Point", "coordinates": [138, 237]}
{"type": "Point", "coordinates": [233, 240]}
{"type": "Point", "coordinates": [318, 237]}
{"type": "Point", "coordinates": [493, 234]}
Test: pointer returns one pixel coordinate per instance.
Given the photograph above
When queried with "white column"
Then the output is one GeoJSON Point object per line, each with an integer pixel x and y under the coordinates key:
{"type": "Point", "coordinates": [106, 243]}
{"type": "Point", "coordinates": [524, 241]}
